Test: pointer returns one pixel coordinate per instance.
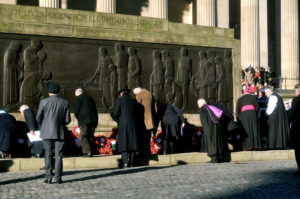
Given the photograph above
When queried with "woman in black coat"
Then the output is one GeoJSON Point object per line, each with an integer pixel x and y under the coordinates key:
{"type": "Point", "coordinates": [130, 118]}
{"type": "Point", "coordinates": [7, 126]}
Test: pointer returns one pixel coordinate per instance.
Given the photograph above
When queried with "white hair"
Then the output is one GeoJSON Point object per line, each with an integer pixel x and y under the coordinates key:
{"type": "Point", "coordinates": [23, 108]}
{"type": "Point", "coordinates": [201, 102]}
{"type": "Point", "coordinates": [78, 91]}
{"type": "Point", "coordinates": [137, 90]}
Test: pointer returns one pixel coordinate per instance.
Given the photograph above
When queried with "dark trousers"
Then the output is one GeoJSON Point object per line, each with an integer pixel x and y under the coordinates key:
{"type": "Point", "coordinates": [86, 134]}
{"type": "Point", "coordinates": [146, 142]}
{"type": "Point", "coordinates": [58, 151]}
{"type": "Point", "coordinates": [128, 157]}
{"type": "Point", "coordinates": [169, 139]}
{"type": "Point", "coordinates": [36, 148]}
{"type": "Point", "coordinates": [297, 155]}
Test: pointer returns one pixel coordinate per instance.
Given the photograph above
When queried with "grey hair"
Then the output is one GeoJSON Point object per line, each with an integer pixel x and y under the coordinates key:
{"type": "Point", "coordinates": [269, 88]}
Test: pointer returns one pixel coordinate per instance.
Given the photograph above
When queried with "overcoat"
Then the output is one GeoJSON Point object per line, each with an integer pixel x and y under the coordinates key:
{"type": "Point", "coordinates": [85, 110]}
{"type": "Point", "coordinates": [52, 116]}
{"type": "Point", "coordinates": [128, 113]}
{"type": "Point", "coordinates": [145, 98]}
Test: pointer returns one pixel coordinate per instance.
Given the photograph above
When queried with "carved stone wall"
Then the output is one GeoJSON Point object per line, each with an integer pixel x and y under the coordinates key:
{"type": "Point", "coordinates": [104, 52]}
{"type": "Point", "coordinates": [85, 63]}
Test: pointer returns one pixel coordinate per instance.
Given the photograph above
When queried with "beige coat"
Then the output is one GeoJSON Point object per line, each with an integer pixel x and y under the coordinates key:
{"type": "Point", "coordinates": [145, 98]}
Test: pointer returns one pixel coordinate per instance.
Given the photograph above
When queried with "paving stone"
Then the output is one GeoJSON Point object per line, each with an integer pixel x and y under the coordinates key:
{"type": "Point", "coordinates": [252, 180]}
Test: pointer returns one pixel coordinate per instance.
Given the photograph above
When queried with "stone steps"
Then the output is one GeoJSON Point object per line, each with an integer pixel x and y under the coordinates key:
{"type": "Point", "coordinates": [102, 162]}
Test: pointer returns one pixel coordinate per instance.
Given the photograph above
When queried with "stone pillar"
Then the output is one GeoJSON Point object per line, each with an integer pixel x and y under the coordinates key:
{"type": "Point", "coordinates": [64, 4]}
{"type": "Point", "coordinates": [158, 8]}
{"type": "Point", "coordinates": [206, 12]}
{"type": "Point", "coordinates": [289, 43]}
{"type": "Point", "coordinates": [8, 1]}
{"type": "Point", "coordinates": [223, 13]}
{"type": "Point", "coordinates": [250, 33]}
{"type": "Point", "coordinates": [263, 33]}
{"type": "Point", "coordinates": [49, 3]}
{"type": "Point", "coordinates": [107, 6]}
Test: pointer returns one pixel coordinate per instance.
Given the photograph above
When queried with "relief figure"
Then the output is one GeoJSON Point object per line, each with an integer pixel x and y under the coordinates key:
{"type": "Point", "coordinates": [11, 75]}
{"type": "Point", "coordinates": [184, 75]}
{"type": "Point", "coordinates": [168, 64]}
{"type": "Point", "coordinates": [228, 69]}
{"type": "Point", "coordinates": [157, 77]}
{"type": "Point", "coordinates": [32, 88]}
{"type": "Point", "coordinates": [121, 62]}
{"type": "Point", "coordinates": [200, 81]}
{"type": "Point", "coordinates": [221, 81]}
{"type": "Point", "coordinates": [134, 69]}
{"type": "Point", "coordinates": [113, 84]}
{"type": "Point", "coordinates": [211, 76]}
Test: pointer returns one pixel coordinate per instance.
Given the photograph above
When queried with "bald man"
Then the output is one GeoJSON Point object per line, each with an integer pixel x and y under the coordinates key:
{"type": "Point", "coordinates": [86, 113]}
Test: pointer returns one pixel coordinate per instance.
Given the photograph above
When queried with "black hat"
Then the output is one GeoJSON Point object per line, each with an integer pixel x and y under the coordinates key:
{"type": "Point", "coordinates": [123, 90]}
{"type": "Point", "coordinates": [53, 87]}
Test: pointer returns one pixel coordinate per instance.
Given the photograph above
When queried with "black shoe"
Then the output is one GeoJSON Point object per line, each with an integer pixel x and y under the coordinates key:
{"type": "Point", "coordinates": [297, 173]}
{"type": "Point", "coordinates": [47, 181]}
{"type": "Point", "coordinates": [59, 182]}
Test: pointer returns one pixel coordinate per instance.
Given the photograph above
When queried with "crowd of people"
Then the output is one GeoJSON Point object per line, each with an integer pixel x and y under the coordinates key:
{"type": "Point", "coordinates": [261, 123]}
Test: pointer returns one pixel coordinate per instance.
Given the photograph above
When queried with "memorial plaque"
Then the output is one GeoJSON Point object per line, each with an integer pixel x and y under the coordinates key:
{"type": "Point", "coordinates": [178, 74]}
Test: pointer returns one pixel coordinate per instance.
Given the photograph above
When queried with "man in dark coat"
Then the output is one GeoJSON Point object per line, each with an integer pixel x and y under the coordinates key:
{"type": "Point", "coordinates": [172, 122]}
{"type": "Point", "coordinates": [7, 126]}
{"type": "Point", "coordinates": [278, 124]}
{"type": "Point", "coordinates": [294, 120]}
{"type": "Point", "coordinates": [36, 147]}
{"type": "Point", "coordinates": [86, 113]}
{"type": "Point", "coordinates": [53, 114]}
{"type": "Point", "coordinates": [128, 113]}
{"type": "Point", "coordinates": [214, 130]}
{"type": "Point", "coordinates": [246, 111]}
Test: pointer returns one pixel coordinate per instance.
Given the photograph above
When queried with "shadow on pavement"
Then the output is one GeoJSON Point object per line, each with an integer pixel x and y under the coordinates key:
{"type": "Point", "coordinates": [119, 172]}
{"type": "Point", "coordinates": [275, 185]}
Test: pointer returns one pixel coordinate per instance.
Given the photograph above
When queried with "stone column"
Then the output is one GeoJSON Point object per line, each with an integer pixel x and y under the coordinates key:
{"type": "Point", "coordinates": [223, 13]}
{"type": "Point", "coordinates": [289, 42]}
{"type": "Point", "coordinates": [206, 12]}
{"type": "Point", "coordinates": [107, 6]}
{"type": "Point", "coordinates": [49, 3]}
{"type": "Point", "coordinates": [263, 33]}
{"type": "Point", "coordinates": [250, 33]}
{"type": "Point", "coordinates": [8, 1]}
{"type": "Point", "coordinates": [158, 8]}
{"type": "Point", "coordinates": [64, 4]}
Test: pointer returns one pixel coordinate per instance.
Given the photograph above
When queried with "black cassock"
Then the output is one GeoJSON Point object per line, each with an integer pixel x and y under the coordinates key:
{"type": "Point", "coordinates": [246, 110]}
{"type": "Point", "coordinates": [278, 126]}
{"type": "Point", "coordinates": [130, 117]}
{"type": "Point", "coordinates": [7, 131]}
{"type": "Point", "coordinates": [215, 132]}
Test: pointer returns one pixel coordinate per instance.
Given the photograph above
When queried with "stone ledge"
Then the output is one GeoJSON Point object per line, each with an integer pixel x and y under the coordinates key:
{"type": "Point", "coordinates": [101, 162]}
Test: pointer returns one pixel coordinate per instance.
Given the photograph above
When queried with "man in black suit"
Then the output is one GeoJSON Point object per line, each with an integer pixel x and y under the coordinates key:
{"type": "Point", "coordinates": [294, 120]}
{"type": "Point", "coordinates": [53, 114]}
{"type": "Point", "coordinates": [87, 116]}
